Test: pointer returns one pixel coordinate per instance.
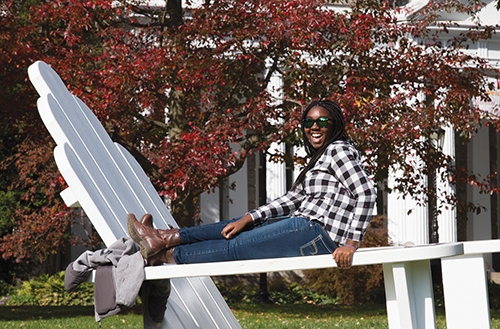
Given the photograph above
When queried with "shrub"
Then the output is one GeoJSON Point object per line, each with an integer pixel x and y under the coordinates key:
{"type": "Point", "coordinates": [280, 292]}
{"type": "Point", "coordinates": [236, 293]}
{"type": "Point", "coordinates": [494, 295]}
{"type": "Point", "coordinates": [359, 284]}
{"type": "Point", "coordinates": [49, 291]}
{"type": "Point", "coordinates": [4, 288]}
{"type": "Point", "coordinates": [293, 293]}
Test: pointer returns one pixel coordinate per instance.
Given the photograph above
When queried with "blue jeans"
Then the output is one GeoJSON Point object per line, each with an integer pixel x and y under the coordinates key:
{"type": "Point", "coordinates": [290, 237]}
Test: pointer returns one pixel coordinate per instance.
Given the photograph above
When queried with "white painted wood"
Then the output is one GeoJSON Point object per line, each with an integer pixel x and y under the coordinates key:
{"type": "Point", "coordinates": [401, 304]}
{"type": "Point", "coordinates": [70, 198]}
{"type": "Point", "coordinates": [364, 256]}
{"type": "Point", "coordinates": [466, 292]}
{"type": "Point", "coordinates": [410, 298]}
{"type": "Point", "coordinates": [481, 247]}
{"type": "Point", "coordinates": [465, 286]}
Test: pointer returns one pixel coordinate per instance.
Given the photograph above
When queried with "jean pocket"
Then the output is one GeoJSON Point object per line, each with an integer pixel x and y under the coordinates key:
{"type": "Point", "coordinates": [315, 247]}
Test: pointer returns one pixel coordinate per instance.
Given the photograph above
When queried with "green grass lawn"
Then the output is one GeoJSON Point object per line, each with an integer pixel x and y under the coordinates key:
{"type": "Point", "coordinates": [250, 316]}
{"type": "Point", "coordinates": [74, 317]}
{"type": "Point", "coordinates": [253, 316]}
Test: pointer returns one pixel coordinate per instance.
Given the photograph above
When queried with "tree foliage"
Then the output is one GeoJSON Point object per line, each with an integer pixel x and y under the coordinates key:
{"type": "Point", "coordinates": [188, 91]}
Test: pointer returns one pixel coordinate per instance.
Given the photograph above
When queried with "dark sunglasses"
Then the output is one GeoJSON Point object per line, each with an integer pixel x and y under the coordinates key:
{"type": "Point", "coordinates": [322, 122]}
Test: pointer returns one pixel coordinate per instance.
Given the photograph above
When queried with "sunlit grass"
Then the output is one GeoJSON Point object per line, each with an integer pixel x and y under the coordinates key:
{"type": "Point", "coordinates": [74, 317]}
{"type": "Point", "coordinates": [253, 316]}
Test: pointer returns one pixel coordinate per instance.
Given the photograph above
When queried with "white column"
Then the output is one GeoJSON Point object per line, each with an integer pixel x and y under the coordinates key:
{"type": "Point", "coordinates": [275, 175]}
{"type": "Point", "coordinates": [407, 221]}
{"type": "Point", "coordinates": [406, 228]}
{"type": "Point", "coordinates": [275, 171]}
{"type": "Point", "coordinates": [299, 152]}
{"type": "Point", "coordinates": [447, 219]}
{"type": "Point", "coordinates": [238, 198]}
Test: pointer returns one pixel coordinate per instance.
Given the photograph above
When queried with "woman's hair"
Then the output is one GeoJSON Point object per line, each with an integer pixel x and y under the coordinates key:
{"type": "Point", "coordinates": [336, 132]}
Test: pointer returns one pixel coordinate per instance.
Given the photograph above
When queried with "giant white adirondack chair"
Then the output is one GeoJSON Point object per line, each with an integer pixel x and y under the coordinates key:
{"type": "Point", "coordinates": [108, 183]}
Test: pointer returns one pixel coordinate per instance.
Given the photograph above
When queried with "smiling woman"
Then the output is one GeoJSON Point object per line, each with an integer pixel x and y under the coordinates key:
{"type": "Point", "coordinates": [328, 119]}
{"type": "Point", "coordinates": [326, 211]}
{"type": "Point", "coordinates": [316, 126]}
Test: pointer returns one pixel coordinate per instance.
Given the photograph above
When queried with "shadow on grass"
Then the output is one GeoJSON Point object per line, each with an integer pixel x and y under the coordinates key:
{"type": "Point", "coordinates": [14, 313]}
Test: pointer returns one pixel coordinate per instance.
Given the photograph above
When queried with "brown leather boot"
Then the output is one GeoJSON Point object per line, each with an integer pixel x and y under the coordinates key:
{"type": "Point", "coordinates": [151, 240]}
{"type": "Point", "coordinates": [163, 257]}
{"type": "Point", "coordinates": [147, 220]}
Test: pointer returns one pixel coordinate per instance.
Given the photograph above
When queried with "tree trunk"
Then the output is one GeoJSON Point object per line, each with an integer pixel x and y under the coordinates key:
{"type": "Point", "coordinates": [176, 114]}
{"type": "Point", "coordinates": [184, 209]}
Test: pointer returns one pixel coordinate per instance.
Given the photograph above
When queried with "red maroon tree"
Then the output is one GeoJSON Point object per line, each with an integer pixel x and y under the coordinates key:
{"type": "Point", "coordinates": [189, 95]}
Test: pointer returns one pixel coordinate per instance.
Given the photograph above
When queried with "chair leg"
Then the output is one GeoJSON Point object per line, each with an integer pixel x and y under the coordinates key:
{"type": "Point", "coordinates": [465, 287]}
{"type": "Point", "coordinates": [409, 295]}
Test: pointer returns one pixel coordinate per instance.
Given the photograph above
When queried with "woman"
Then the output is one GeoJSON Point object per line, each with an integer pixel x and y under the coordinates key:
{"type": "Point", "coordinates": [325, 212]}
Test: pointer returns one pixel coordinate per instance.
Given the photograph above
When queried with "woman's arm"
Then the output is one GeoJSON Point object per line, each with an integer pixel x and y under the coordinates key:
{"type": "Point", "coordinates": [343, 254]}
{"type": "Point", "coordinates": [282, 206]}
{"type": "Point", "coordinates": [233, 228]}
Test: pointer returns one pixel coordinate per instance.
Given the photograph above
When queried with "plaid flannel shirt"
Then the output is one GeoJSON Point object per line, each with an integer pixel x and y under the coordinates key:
{"type": "Point", "coordinates": [336, 192]}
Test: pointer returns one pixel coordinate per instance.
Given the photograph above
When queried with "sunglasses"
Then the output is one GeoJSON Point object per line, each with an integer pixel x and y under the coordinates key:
{"type": "Point", "coordinates": [322, 122]}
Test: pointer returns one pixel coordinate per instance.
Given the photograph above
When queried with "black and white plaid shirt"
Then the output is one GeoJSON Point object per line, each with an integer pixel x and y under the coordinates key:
{"type": "Point", "coordinates": [336, 192]}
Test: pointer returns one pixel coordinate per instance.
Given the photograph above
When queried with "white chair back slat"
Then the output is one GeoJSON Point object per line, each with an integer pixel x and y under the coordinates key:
{"type": "Point", "coordinates": [94, 159]}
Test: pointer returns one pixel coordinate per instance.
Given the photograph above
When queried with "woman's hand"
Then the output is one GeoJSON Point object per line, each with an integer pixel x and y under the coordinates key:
{"type": "Point", "coordinates": [343, 254]}
{"type": "Point", "coordinates": [236, 227]}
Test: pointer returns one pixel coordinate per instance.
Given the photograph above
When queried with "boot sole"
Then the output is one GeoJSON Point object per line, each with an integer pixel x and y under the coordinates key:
{"type": "Point", "coordinates": [146, 250]}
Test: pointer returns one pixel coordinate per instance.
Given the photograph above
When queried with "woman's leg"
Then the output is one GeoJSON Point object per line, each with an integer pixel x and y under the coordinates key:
{"type": "Point", "coordinates": [287, 238]}
{"type": "Point", "coordinates": [200, 233]}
